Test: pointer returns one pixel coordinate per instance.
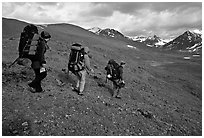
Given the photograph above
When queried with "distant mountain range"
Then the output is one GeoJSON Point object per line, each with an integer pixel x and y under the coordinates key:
{"type": "Point", "coordinates": [189, 41]}
{"type": "Point", "coordinates": [107, 32]}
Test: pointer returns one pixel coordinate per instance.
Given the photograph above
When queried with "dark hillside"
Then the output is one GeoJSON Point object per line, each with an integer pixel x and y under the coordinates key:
{"type": "Point", "coordinates": [12, 27]}
{"type": "Point", "coordinates": [162, 96]}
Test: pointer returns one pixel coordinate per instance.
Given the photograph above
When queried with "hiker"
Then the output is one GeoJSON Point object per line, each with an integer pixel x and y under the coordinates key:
{"type": "Point", "coordinates": [39, 63]}
{"type": "Point", "coordinates": [115, 74]}
{"type": "Point", "coordinates": [79, 65]}
{"type": "Point", "coordinates": [26, 38]}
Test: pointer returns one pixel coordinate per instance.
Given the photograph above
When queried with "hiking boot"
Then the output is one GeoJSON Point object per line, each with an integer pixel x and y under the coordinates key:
{"type": "Point", "coordinates": [81, 93]}
{"type": "Point", "coordinates": [114, 95]}
{"type": "Point", "coordinates": [34, 90]}
{"type": "Point", "coordinates": [31, 85]}
{"type": "Point", "coordinates": [31, 89]}
{"type": "Point", "coordinates": [75, 89]}
{"type": "Point", "coordinates": [37, 91]}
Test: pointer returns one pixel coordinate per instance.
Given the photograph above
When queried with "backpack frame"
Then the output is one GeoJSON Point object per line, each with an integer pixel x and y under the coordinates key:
{"type": "Point", "coordinates": [30, 48]}
{"type": "Point", "coordinates": [26, 39]}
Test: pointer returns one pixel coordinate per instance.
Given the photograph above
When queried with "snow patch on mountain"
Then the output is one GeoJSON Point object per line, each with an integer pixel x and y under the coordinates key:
{"type": "Point", "coordinates": [137, 38]}
{"type": "Point", "coordinates": [196, 31]}
{"type": "Point", "coordinates": [95, 30]}
{"type": "Point", "coordinates": [133, 47]}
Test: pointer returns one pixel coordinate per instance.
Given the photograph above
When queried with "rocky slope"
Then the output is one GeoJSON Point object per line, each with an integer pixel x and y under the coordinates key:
{"type": "Point", "coordinates": [162, 97]}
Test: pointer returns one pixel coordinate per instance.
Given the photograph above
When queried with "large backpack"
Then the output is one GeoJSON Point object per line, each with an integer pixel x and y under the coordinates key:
{"type": "Point", "coordinates": [26, 39]}
{"type": "Point", "coordinates": [112, 69]}
{"type": "Point", "coordinates": [76, 58]}
{"type": "Point", "coordinates": [30, 48]}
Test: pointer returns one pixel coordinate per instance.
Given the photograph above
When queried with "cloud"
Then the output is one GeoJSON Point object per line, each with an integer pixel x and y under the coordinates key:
{"type": "Point", "coordinates": [130, 18]}
{"type": "Point", "coordinates": [100, 9]}
{"type": "Point", "coordinates": [47, 3]}
{"type": "Point", "coordinates": [160, 22]}
{"type": "Point", "coordinates": [7, 8]}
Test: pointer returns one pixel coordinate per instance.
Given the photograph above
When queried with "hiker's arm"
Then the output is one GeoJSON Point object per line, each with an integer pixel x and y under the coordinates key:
{"type": "Point", "coordinates": [42, 49]}
{"type": "Point", "coordinates": [87, 63]}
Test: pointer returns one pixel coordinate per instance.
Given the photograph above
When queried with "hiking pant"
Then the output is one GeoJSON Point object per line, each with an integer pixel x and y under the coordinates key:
{"type": "Point", "coordinates": [116, 88]}
{"type": "Point", "coordinates": [81, 76]}
{"type": "Point", "coordinates": [36, 83]}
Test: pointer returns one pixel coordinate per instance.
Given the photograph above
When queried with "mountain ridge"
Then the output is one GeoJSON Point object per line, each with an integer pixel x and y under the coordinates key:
{"type": "Point", "coordinates": [155, 41]}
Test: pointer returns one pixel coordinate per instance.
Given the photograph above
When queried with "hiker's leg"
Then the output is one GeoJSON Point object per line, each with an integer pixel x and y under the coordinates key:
{"type": "Point", "coordinates": [82, 80]}
{"type": "Point", "coordinates": [78, 80]}
{"type": "Point", "coordinates": [106, 77]}
{"type": "Point", "coordinates": [35, 81]}
{"type": "Point", "coordinates": [115, 88]}
{"type": "Point", "coordinates": [118, 93]}
{"type": "Point", "coordinates": [41, 77]}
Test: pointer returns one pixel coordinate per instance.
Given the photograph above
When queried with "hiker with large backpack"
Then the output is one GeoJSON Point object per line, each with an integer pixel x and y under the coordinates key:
{"type": "Point", "coordinates": [36, 54]}
{"type": "Point", "coordinates": [115, 74]}
{"type": "Point", "coordinates": [79, 65]}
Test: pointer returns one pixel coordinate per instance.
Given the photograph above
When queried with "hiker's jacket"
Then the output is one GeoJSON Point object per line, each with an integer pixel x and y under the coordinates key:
{"type": "Point", "coordinates": [39, 58]}
{"type": "Point", "coordinates": [120, 72]}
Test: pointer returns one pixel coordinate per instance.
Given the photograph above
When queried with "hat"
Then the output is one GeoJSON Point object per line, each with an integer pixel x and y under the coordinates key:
{"type": "Point", "coordinates": [76, 44]}
{"type": "Point", "coordinates": [111, 61]}
{"type": "Point", "coordinates": [122, 62]}
{"type": "Point", "coordinates": [45, 35]}
{"type": "Point", "coordinates": [86, 49]}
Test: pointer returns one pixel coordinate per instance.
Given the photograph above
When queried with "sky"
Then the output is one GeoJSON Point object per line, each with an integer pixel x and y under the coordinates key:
{"type": "Point", "coordinates": [165, 19]}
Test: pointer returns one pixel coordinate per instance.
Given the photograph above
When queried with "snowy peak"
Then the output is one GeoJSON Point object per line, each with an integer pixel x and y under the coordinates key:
{"type": "Point", "coordinates": [191, 36]}
{"type": "Point", "coordinates": [137, 38]}
{"type": "Point", "coordinates": [189, 41]}
{"type": "Point", "coordinates": [196, 31]}
{"type": "Point", "coordinates": [111, 33]}
{"type": "Point", "coordinates": [106, 32]}
{"type": "Point", "coordinates": [151, 41]}
{"type": "Point", "coordinates": [95, 30]}
{"type": "Point", "coordinates": [155, 41]}
{"type": "Point", "coordinates": [154, 38]}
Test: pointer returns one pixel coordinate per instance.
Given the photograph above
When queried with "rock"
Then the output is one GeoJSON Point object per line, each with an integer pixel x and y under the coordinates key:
{"type": "Point", "coordinates": [59, 82]}
{"type": "Point", "coordinates": [25, 124]}
{"type": "Point", "coordinates": [64, 70]}
{"type": "Point", "coordinates": [11, 38]}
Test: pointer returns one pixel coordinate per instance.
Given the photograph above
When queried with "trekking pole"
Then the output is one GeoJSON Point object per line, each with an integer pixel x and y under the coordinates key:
{"type": "Point", "coordinates": [14, 62]}
{"type": "Point", "coordinates": [17, 58]}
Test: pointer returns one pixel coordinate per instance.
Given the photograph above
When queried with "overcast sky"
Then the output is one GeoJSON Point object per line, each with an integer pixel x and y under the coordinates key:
{"type": "Point", "coordinates": [164, 19]}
